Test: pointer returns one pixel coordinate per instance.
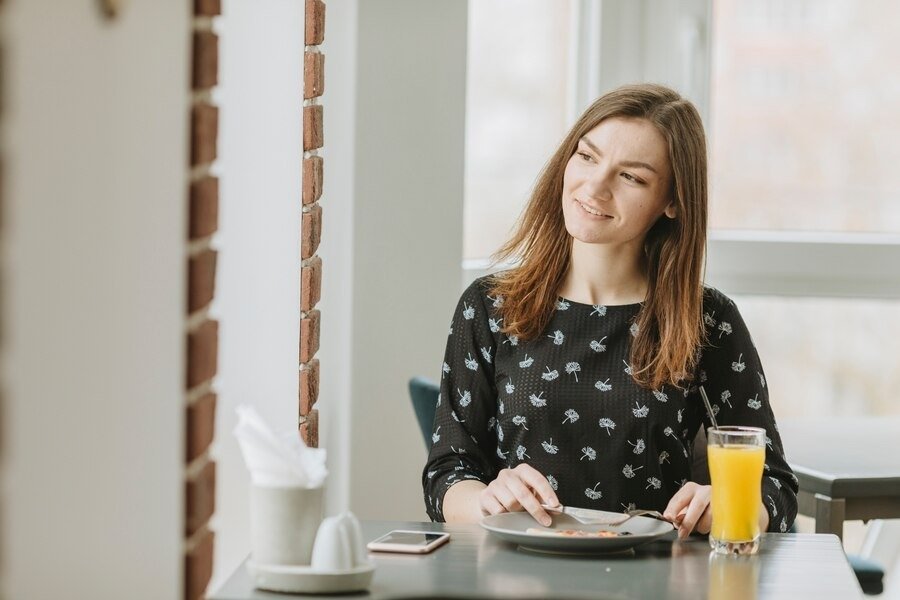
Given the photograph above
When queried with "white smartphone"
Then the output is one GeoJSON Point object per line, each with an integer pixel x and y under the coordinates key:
{"type": "Point", "coordinates": [412, 542]}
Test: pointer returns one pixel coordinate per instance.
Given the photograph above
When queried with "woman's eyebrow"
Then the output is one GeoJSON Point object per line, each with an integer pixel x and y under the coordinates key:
{"type": "Point", "coordinates": [625, 163]}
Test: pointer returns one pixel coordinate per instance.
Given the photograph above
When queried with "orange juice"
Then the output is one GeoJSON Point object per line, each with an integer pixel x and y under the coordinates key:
{"type": "Point", "coordinates": [736, 474]}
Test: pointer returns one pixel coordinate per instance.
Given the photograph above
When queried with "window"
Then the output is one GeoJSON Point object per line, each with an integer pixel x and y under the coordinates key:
{"type": "Point", "coordinates": [804, 130]}
{"type": "Point", "coordinates": [798, 98]}
{"type": "Point", "coordinates": [803, 138]}
{"type": "Point", "coordinates": [516, 99]}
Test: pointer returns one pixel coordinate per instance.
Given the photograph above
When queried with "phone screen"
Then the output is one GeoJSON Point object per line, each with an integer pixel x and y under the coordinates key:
{"type": "Point", "coordinates": [408, 538]}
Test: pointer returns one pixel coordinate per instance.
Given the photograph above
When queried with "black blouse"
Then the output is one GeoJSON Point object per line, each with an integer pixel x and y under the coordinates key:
{"type": "Point", "coordinates": [566, 404]}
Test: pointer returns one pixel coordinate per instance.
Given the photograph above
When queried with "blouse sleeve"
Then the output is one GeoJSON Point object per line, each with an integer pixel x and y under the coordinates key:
{"type": "Point", "coordinates": [733, 376]}
{"type": "Point", "coordinates": [464, 421]}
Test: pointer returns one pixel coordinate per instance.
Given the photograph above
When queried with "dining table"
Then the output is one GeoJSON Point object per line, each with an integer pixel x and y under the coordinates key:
{"type": "Point", "coordinates": [476, 564]}
{"type": "Point", "coordinates": [848, 467]}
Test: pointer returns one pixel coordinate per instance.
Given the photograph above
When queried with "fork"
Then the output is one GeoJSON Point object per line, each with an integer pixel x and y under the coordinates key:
{"type": "Point", "coordinates": [596, 517]}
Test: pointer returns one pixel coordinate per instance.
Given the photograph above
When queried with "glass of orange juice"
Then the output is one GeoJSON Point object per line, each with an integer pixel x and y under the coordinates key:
{"type": "Point", "coordinates": [736, 458]}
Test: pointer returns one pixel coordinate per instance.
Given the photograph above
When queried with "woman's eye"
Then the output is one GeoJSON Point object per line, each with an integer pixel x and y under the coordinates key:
{"type": "Point", "coordinates": [584, 155]}
{"type": "Point", "coordinates": [631, 178]}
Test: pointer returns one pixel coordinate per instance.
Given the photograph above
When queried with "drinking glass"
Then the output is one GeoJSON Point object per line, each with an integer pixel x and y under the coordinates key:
{"type": "Point", "coordinates": [736, 458]}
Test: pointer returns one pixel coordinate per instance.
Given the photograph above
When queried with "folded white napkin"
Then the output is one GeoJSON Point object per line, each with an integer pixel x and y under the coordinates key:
{"type": "Point", "coordinates": [281, 460]}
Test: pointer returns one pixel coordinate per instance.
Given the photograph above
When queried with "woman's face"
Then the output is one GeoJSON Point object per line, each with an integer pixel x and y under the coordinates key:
{"type": "Point", "coordinates": [618, 182]}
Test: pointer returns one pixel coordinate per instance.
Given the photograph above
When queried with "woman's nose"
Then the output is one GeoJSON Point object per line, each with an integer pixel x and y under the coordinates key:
{"type": "Point", "coordinates": [598, 184]}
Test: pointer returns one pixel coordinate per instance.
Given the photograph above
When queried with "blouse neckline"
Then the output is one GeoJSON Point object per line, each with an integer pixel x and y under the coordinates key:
{"type": "Point", "coordinates": [616, 307]}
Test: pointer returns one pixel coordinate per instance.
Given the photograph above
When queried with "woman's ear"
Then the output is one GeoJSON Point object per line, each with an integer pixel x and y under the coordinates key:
{"type": "Point", "coordinates": [671, 211]}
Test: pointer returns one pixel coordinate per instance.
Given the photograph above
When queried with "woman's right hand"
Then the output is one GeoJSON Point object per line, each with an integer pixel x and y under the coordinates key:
{"type": "Point", "coordinates": [516, 489]}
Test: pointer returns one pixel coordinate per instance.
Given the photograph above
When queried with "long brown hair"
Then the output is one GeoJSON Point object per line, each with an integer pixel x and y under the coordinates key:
{"type": "Point", "coordinates": [670, 325]}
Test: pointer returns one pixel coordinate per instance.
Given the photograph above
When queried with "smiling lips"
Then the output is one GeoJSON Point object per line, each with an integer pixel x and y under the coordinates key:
{"type": "Point", "coordinates": [592, 211]}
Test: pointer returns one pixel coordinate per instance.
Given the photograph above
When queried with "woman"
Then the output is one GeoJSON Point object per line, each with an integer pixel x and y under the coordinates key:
{"type": "Point", "coordinates": [574, 377]}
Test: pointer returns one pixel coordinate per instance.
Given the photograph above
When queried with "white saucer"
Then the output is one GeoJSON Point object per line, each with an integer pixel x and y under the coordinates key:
{"type": "Point", "coordinates": [306, 580]}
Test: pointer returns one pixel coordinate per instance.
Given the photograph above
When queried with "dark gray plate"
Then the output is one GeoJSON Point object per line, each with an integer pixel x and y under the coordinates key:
{"type": "Point", "coordinates": [512, 527]}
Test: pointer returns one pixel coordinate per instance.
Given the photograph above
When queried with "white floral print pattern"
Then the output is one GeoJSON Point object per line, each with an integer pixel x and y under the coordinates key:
{"type": "Point", "coordinates": [597, 345]}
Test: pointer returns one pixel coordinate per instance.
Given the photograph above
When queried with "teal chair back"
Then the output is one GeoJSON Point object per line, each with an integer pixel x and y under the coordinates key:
{"type": "Point", "coordinates": [424, 395]}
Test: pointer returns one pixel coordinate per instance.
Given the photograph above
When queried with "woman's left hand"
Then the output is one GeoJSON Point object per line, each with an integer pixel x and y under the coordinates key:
{"type": "Point", "coordinates": [689, 509]}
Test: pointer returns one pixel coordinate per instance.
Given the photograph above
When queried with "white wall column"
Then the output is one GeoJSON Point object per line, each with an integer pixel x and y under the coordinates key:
{"type": "Point", "coordinates": [94, 232]}
{"type": "Point", "coordinates": [408, 177]}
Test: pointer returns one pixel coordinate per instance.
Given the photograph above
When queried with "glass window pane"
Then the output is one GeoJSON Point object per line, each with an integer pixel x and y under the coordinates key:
{"type": "Point", "coordinates": [827, 356]}
{"type": "Point", "coordinates": [805, 131]}
{"type": "Point", "coordinates": [515, 110]}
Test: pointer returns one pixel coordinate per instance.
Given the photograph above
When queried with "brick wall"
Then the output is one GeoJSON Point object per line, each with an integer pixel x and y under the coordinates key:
{"type": "Point", "coordinates": [311, 226]}
{"type": "Point", "coordinates": [202, 332]}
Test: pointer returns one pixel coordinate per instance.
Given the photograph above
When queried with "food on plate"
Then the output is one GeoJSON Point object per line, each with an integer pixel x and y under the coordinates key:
{"type": "Point", "coordinates": [575, 533]}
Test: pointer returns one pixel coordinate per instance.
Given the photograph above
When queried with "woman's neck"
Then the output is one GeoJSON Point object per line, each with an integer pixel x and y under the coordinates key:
{"type": "Point", "coordinates": [605, 274]}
